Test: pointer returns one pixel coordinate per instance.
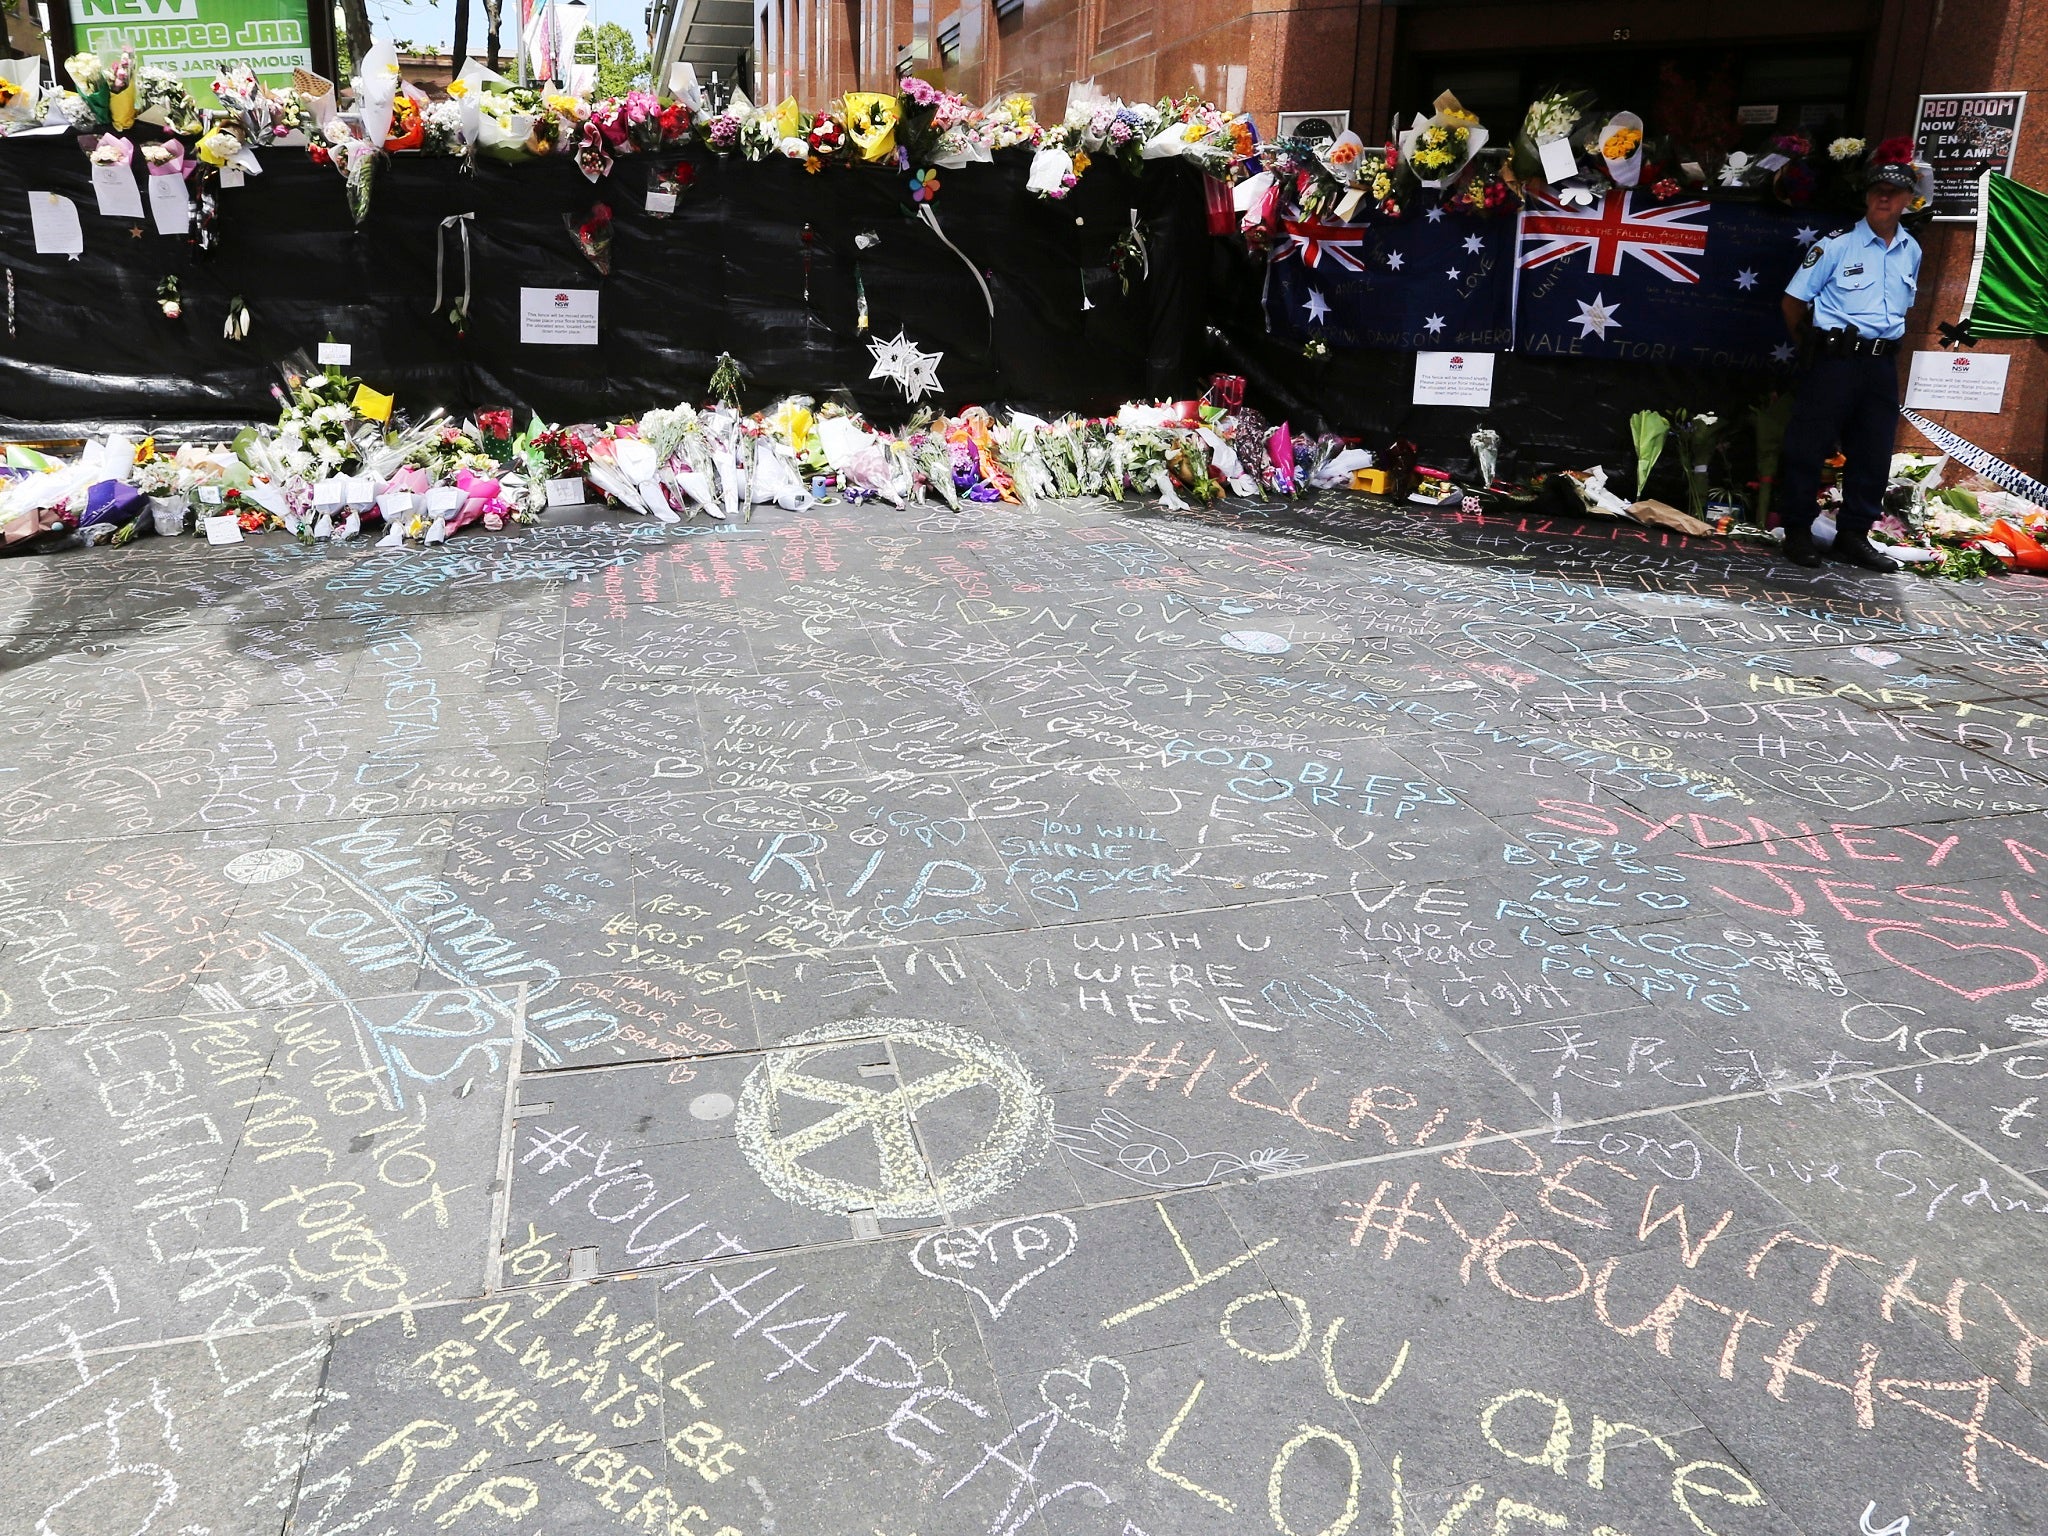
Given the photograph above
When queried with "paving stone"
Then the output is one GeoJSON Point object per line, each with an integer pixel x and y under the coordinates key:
{"type": "Point", "coordinates": [921, 1022]}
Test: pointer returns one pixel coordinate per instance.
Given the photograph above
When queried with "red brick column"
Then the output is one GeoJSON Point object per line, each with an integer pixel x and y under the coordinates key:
{"type": "Point", "coordinates": [1924, 46]}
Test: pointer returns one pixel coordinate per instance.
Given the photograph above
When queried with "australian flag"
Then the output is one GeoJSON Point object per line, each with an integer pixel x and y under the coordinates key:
{"type": "Point", "coordinates": [1431, 282]}
{"type": "Point", "coordinates": [1687, 281]}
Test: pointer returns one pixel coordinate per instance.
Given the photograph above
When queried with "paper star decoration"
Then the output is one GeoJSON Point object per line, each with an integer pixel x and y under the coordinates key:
{"type": "Point", "coordinates": [915, 373]}
{"type": "Point", "coordinates": [1317, 307]}
{"type": "Point", "coordinates": [1745, 279]}
{"type": "Point", "coordinates": [1435, 215]}
{"type": "Point", "coordinates": [1597, 318]}
{"type": "Point", "coordinates": [1394, 260]}
{"type": "Point", "coordinates": [1453, 274]}
{"type": "Point", "coordinates": [1474, 244]}
{"type": "Point", "coordinates": [1434, 324]}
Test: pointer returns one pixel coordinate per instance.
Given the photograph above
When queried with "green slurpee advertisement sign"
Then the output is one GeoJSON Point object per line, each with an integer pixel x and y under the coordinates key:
{"type": "Point", "coordinates": [192, 38]}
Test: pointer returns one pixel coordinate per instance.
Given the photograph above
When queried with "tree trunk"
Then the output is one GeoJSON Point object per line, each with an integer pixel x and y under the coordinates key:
{"type": "Point", "coordinates": [459, 49]}
{"type": "Point", "coordinates": [355, 15]}
{"type": "Point", "coordinates": [494, 11]}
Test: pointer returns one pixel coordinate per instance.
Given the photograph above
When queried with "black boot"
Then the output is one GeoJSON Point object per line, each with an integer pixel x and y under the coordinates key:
{"type": "Point", "coordinates": [1856, 549]}
{"type": "Point", "coordinates": [1799, 545]}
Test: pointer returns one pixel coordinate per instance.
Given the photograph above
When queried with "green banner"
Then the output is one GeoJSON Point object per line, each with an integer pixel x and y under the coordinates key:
{"type": "Point", "coordinates": [191, 38]}
{"type": "Point", "coordinates": [2008, 294]}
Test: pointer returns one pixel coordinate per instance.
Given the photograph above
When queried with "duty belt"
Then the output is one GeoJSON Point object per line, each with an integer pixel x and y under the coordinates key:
{"type": "Point", "coordinates": [1851, 344]}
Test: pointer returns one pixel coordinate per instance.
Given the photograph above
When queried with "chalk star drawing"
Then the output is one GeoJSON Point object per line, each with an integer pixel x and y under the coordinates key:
{"type": "Point", "coordinates": [907, 1183]}
{"type": "Point", "coordinates": [915, 373]}
{"type": "Point", "coordinates": [1597, 318]}
{"type": "Point", "coordinates": [1317, 306]}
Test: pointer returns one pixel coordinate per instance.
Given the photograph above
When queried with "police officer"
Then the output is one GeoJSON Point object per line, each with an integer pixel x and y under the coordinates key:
{"type": "Point", "coordinates": [1846, 309]}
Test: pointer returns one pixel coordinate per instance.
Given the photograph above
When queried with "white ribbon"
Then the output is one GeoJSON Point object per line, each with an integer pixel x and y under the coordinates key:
{"type": "Point", "coordinates": [460, 221]}
{"type": "Point", "coordinates": [924, 212]}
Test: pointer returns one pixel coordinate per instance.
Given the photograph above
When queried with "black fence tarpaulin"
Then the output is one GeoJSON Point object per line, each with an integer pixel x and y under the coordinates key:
{"type": "Point", "coordinates": [1048, 327]}
{"type": "Point", "coordinates": [1550, 412]}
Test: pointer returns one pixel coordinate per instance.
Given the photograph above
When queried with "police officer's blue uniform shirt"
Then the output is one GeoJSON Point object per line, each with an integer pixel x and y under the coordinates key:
{"type": "Point", "coordinates": [1856, 283]}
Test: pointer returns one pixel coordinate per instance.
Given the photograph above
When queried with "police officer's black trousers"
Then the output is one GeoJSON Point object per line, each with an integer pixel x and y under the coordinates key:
{"type": "Point", "coordinates": [1853, 403]}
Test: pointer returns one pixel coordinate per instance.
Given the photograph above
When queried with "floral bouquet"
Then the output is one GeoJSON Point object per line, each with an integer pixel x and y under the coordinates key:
{"type": "Point", "coordinates": [871, 120]}
{"type": "Point", "coordinates": [106, 88]}
{"type": "Point", "coordinates": [1009, 120]}
{"type": "Point", "coordinates": [408, 122]}
{"type": "Point", "coordinates": [357, 161]}
{"type": "Point", "coordinates": [21, 91]}
{"type": "Point", "coordinates": [931, 459]}
{"type": "Point", "coordinates": [1436, 148]}
{"type": "Point", "coordinates": [161, 98]}
{"type": "Point", "coordinates": [1620, 145]}
{"type": "Point", "coordinates": [826, 142]}
{"type": "Point", "coordinates": [593, 236]}
{"type": "Point", "coordinates": [1200, 131]}
{"type": "Point", "coordinates": [508, 123]}
{"type": "Point", "coordinates": [978, 471]}
{"type": "Point", "coordinates": [1550, 120]}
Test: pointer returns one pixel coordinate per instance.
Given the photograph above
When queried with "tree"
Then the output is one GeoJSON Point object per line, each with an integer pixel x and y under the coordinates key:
{"type": "Point", "coordinates": [494, 13]}
{"type": "Point", "coordinates": [355, 15]}
{"type": "Point", "coordinates": [621, 65]}
{"type": "Point", "coordinates": [458, 50]}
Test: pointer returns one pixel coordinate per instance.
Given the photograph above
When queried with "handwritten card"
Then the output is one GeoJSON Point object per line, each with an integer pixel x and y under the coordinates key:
{"type": "Point", "coordinates": [225, 529]}
{"type": "Point", "coordinates": [395, 505]}
{"type": "Point", "coordinates": [335, 354]}
{"type": "Point", "coordinates": [114, 186]}
{"type": "Point", "coordinates": [566, 492]}
{"type": "Point", "coordinates": [54, 222]}
{"type": "Point", "coordinates": [330, 495]}
{"type": "Point", "coordinates": [1559, 163]}
{"type": "Point", "coordinates": [661, 203]}
{"type": "Point", "coordinates": [232, 176]}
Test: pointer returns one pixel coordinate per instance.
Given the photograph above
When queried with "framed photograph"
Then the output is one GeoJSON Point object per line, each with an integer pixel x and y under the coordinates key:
{"type": "Point", "coordinates": [1317, 127]}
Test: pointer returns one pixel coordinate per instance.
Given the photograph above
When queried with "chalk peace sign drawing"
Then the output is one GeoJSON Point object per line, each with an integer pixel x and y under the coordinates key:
{"type": "Point", "coordinates": [786, 1141]}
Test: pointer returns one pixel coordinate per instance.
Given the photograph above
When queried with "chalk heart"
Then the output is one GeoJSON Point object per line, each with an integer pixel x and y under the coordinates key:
{"type": "Point", "coordinates": [1839, 788]}
{"type": "Point", "coordinates": [1091, 1398]}
{"type": "Point", "coordinates": [996, 1262]}
{"type": "Point", "coordinates": [1874, 656]}
{"type": "Point", "coordinates": [1926, 955]}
